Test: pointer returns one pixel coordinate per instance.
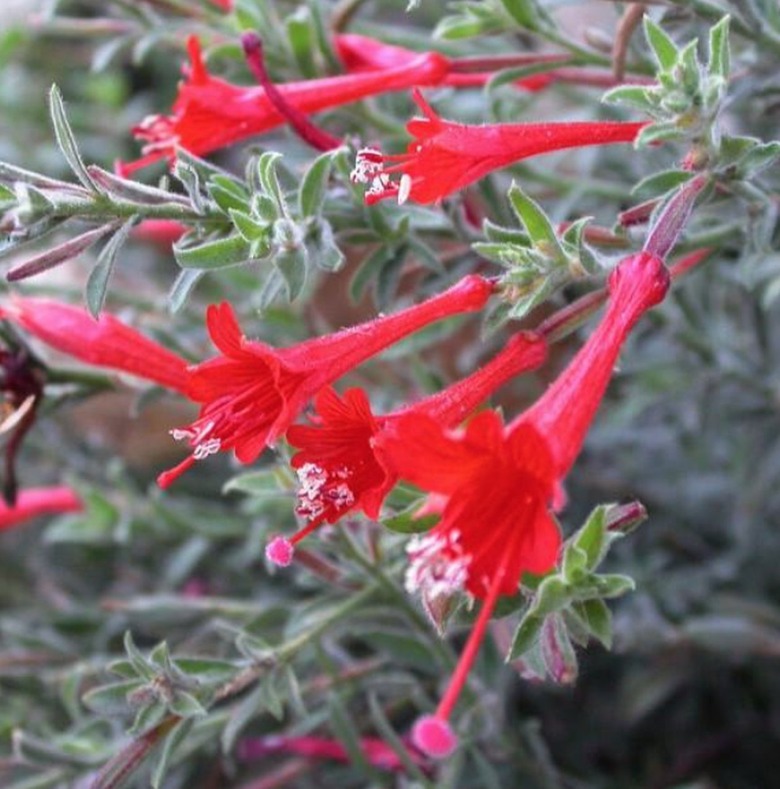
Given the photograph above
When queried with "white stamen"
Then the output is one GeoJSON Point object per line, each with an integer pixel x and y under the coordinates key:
{"type": "Point", "coordinates": [314, 493]}
{"type": "Point", "coordinates": [368, 165]}
{"type": "Point", "coordinates": [437, 565]}
{"type": "Point", "coordinates": [404, 188]}
{"type": "Point", "coordinates": [207, 448]}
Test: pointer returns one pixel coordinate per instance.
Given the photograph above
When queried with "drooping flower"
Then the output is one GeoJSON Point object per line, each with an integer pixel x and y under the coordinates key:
{"type": "Point", "coordinates": [377, 752]}
{"type": "Point", "coordinates": [446, 156]}
{"type": "Point", "coordinates": [210, 113]}
{"type": "Point", "coordinates": [103, 342]}
{"type": "Point", "coordinates": [338, 464]}
{"type": "Point", "coordinates": [32, 502]}
{"type": "Point", "coordinates": [251, 393]}
{"type": "Point", "coordinates": [495, 483]}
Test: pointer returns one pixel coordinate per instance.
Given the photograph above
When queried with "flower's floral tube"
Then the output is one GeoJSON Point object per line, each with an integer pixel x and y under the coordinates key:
{"type": "Point", "coordinates": [361, 53]}
{"type": "Point", "coordinates": [210, 113]}
{"type": "Point", "coordinates": [340, 467]}
{"type": "Point", "coordinates": [32, 502]}
{"type": "Point", "coordinates": [251, 392]}
{"type": "Point", "coordinates": [104, 341]}
{"type": "Point", "coordinates": [494, 484]}
{"type": "Point", "coordinates": [445, 156]}
{"type": "Point", "coordinates": [376, 751]}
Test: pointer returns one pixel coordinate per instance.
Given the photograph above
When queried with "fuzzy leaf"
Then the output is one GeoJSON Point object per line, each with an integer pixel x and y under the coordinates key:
{"type": "Point", "coordinates": [67, 141]}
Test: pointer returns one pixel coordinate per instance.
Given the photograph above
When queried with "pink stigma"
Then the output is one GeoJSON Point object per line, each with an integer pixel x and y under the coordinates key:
{"type": "Point", "coordinates": [280, 552]}
{"type": "Point", "coordinates": [434, 737]}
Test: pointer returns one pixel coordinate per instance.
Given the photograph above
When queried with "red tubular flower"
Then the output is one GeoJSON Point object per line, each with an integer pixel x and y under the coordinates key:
{"type": "Point", "coordinates": [33, 502]}
{"type": "Point", "coordinates": [252, 392]}
{"type": "Point", "coordinates": [446, 156]}
{"type": "Point", "coordinates": [103, 342]}
{"type": "Point", "coordinates": [163, 232]}
{"type": "Point", "coordinates": [497, 482]}
{"type": "Point", "coordinates": [210, 113]}
{"type": "Point", "coordinates": [339, 466]}
{"type": "Point", "coordinates": [361, 53]}
{"type": "Point", "coordinates": [377, 752]}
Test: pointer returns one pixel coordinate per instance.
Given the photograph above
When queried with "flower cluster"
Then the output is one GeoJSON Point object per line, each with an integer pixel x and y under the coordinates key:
{"type": "Point", "coordinates": [491, 485]}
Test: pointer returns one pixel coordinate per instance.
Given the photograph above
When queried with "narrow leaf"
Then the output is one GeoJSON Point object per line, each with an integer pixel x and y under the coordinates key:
{"type": "Point", "coordinates": [97, 282]}
{"type": "Point", "coordinates": [60, 254]}
{"type": "Point", "coordinates": [663, 47]}
{"type": "Point", "coordinates": [66, 140]}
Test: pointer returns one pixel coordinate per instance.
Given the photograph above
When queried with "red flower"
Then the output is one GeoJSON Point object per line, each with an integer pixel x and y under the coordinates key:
{"type": "Point", "coordinates": [361, 53]}
{"type": "Point", "coordinates": [103, 342]}
{"type": "Point", "coordinates": [33, 502]}
{"type": "Point", "coordinates": [210, 113]}
{"type": "Point", "coordinates": [162, 232]}
{"type": "Point", "coordinates": [377, 752]}
{"type": "Point", "coordinates": [338, 464]}
{"type": "Point", "coordinates": [446, 156]}
{"type": "Point", "coordinates": [497, 482]}
{"type": "Point", "coordinates": [252, 392]}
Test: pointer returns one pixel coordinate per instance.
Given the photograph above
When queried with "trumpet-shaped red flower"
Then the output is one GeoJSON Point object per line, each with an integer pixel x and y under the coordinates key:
{"type": "Point", "coordinates": [210, 113]}
{"type": "Point", "coordinates": [252, 393]}
{"type": "Point", "coordinates": [339, 466]}
{"type": "Point", "coordinates": [361, 53]}
{"type": "Point", "coordinates": [376, 752]}
{"type": "Point", "coordinates": [446, 156]}
{"type": "Point", "coordinates": [496, 483]}
{"type": "Point", "coordinates": [103, 342]}
{"type": "Point", "coordinates": [33, 502]}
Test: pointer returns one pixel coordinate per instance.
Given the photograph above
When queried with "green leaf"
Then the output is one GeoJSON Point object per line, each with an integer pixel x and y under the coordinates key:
{"type": "Point", "coordinates": [67, 141]}
{"type": "Point", "coordinates": [177, 735]}
{"type": "Point", "coordinates": [266, 173]}
{"type": "Point", "coordinates": [185, 705]}
{"type": "Point", "coordinates": [300, 34]}
{"type": "Point", "coordinates": [291, 264]}
{"type": "Point", "coordinates": [97, 282]}
{"type": "Point", "coordinates": [540, 229]}
{"type": "Point", "coordinates": [110, 699]}
{"type": "Point", "coordinates": [454, 28]}
{"type": "Point", "coordinates": [406, 523]}
{"type": "Point", "coordinates": [227, 200]}
{"type": "Point", "coordinates": [575, 561]}
{"type": "Point", "coordinates": [314, 183]}
{"type": "Point", "coordinates": [660, 183]}
{"type": "Point", "coordinates": [241, 716]}
{"type": "Point", "coordinates": [211, 255]}
{"type": "Point", "coordinates": [598, 617]}
{"type": "Point", "coordinates": [526, 636]}
{"type": "Point", "coordinates": [141, 665]}
{"type": "Point", "coordinates": [271, 695]}
{"type": "Point", "coordinates": [184, 284]}
{"type": "Point", "coordinates": [261, 484]}
{"type": "Point", "coordinates": [663, 47]}
{"type": "Point", "coordinates": [322, 248]}
{"type": "Point", "coordinates": [658, 132]}
{"type": "Point", "coordinates": [720, 55]}
{"type": "Point", "coordinates": [249, 229]}
{"type": "Point", "coordinates": [97, 524]}
{"type": "Point", "coordinates": [645, 99]}
{"type": "Point", "coordinates": [552, 595]}
{"type": "Point", "coordinates": [592, 537]}
{"type": "Point", "coordinates": [758, 158]}
{"type": "Point", "coordinates": [528, 14]}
